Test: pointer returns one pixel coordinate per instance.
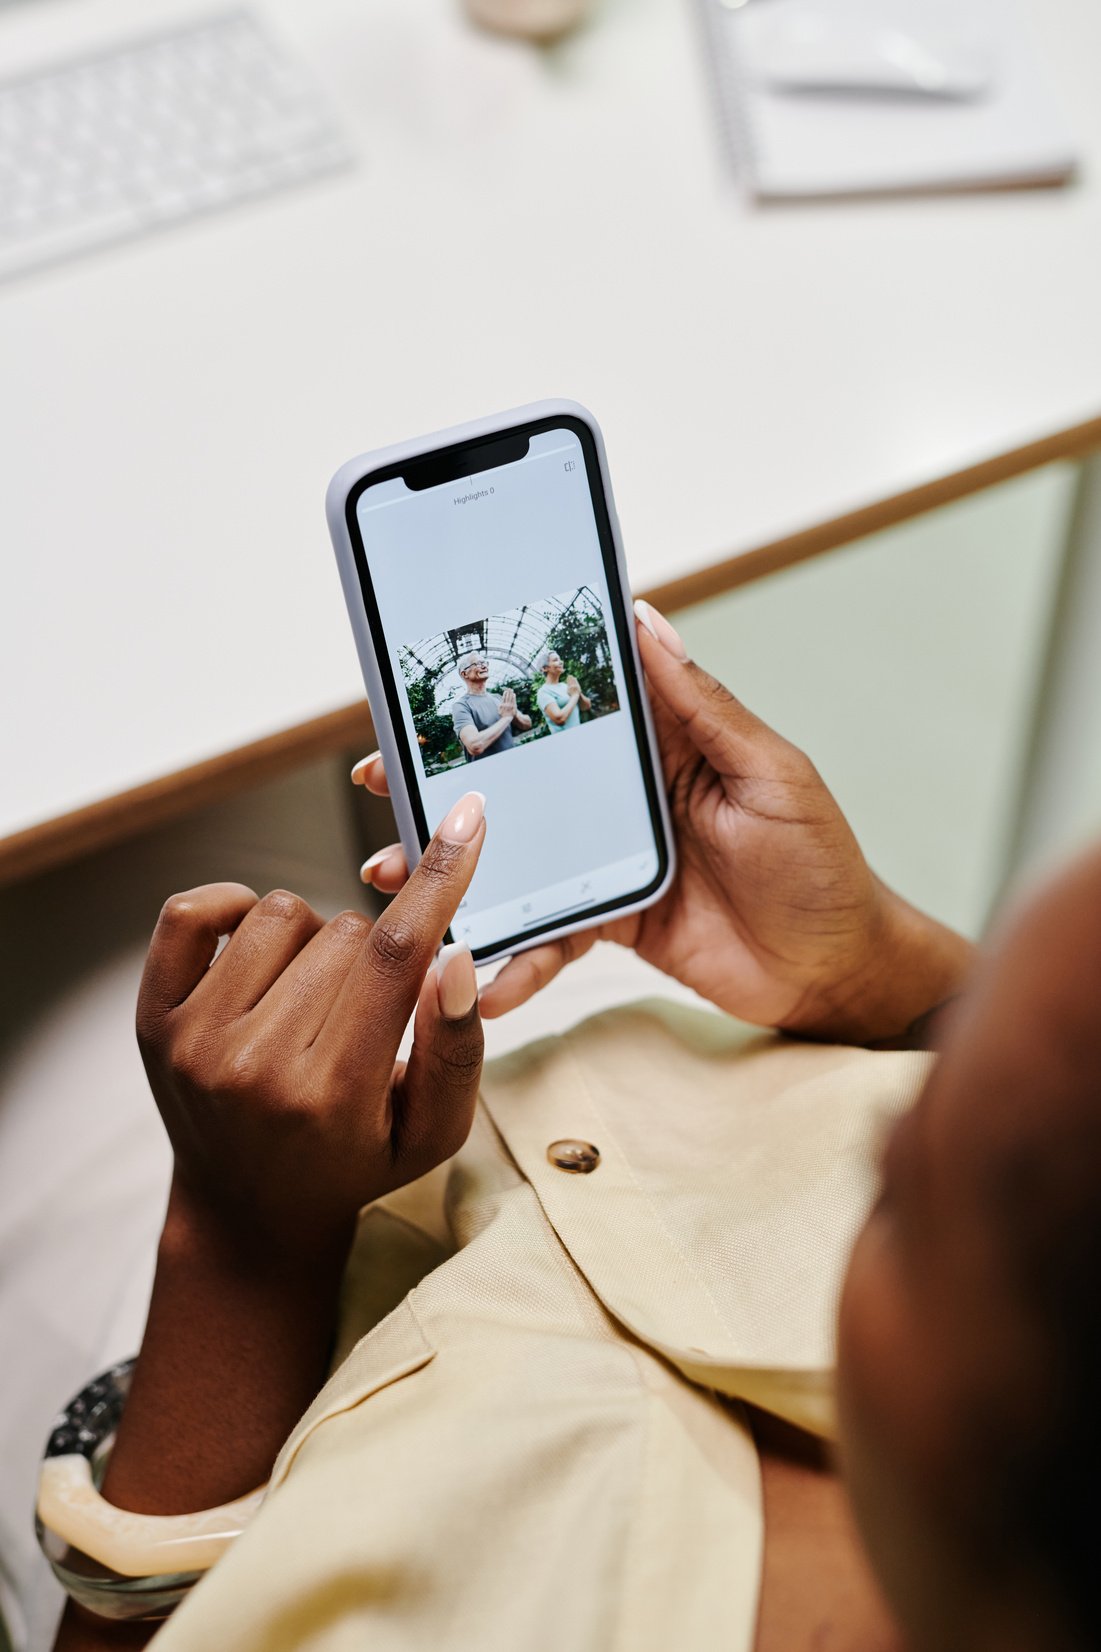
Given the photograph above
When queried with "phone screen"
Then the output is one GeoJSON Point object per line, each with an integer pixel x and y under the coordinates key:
{"type": "Point", "coordinates": [489, 576]}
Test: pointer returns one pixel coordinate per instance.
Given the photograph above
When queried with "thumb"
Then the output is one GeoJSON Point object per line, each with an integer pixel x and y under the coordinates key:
{"type": "Point", "coordinates": [720, 727]}
{"type": "Point", "coordinates": [439, 1087]}
{"type": "Point", "coordinates": [527, 973]}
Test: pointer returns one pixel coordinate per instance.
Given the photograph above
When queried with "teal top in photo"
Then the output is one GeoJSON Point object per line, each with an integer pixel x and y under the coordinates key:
{"type": "Point", "coordinates": [560, 694]}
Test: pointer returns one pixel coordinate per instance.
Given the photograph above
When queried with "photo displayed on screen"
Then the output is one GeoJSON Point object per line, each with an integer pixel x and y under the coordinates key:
{"type": "Point", "coordinates": [506, 680]}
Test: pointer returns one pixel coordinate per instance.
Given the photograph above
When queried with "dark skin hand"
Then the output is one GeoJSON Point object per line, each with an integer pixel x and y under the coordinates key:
{"type": "Point", "coordinates": [273, 1066]}
{"type": "Point", "coordinates": [774, 914]}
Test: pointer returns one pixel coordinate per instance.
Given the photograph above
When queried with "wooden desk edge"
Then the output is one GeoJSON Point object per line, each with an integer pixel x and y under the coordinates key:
{"type": "Point", "coordinates": [114, 819]}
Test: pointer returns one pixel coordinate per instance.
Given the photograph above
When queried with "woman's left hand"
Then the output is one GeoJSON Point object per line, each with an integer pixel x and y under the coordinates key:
{"type": "Point", "coordinates": [774, 914]}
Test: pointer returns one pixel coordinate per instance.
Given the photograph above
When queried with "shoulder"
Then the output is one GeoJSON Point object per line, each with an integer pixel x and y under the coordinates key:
{"type": "Point", "coordinates": [460, 710]}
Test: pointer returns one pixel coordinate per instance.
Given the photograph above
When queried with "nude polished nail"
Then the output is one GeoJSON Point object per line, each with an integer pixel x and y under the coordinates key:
{"type": "Point", "coordinates": [461, 825]}
{"type": "Point", "coordinates": [359, 771]}
{"type": "Point", "coordinates": [456, 981]}
{"type": "Point", "coordinates": [660, 629]}
{"type": "Point", "coordinates": [371, 862]}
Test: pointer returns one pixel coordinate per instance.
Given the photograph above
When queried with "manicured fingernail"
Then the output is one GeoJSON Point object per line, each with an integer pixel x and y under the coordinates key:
{"type": "Point", "coordinates": [660, 629]}
{"type": "Point", "coordinates": [372, 861]}
{"type": "Point", "coordinates": [456, 982]}
{"type": "Point", "coordinates": [465, 818]}
{"type": "Point", "coordinates": [359, 772]}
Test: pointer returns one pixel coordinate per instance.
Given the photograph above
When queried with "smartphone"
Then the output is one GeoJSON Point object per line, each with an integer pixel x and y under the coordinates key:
{"type": "Point", "coordinates": [484, 575]}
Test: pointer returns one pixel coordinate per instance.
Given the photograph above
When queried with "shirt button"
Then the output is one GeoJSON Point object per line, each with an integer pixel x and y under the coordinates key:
{"type": "Point", "coordinates": [578, 1157]}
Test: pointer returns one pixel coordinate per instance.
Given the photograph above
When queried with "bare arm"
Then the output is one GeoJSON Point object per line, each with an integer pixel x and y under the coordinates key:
{"type": "Point", "coordinates": [561, 714]}
{"type": "Point", "coordinates": [817, 1588]}
{"type": "Point", "coordinates": [235, 1349]}
{"type": "Point", "coordinates": [477, 740]}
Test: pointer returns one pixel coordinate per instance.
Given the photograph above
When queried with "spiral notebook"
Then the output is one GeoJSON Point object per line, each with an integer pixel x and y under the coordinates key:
{"type": "Point", "coordinates": [788, 144]}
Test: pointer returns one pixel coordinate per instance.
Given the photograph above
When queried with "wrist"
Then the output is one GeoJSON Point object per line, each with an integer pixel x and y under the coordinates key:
{"type": "Point", "coordinates": [202, 1237]}
{"type": "Point", "coordinates": [236, 1345]}
{"type": "Point", "coordinates": [910, 965]}
{"type": "Point", "coordinates": [82, 1631]}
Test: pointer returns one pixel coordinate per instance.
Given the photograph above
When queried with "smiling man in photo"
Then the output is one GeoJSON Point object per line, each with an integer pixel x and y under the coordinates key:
{"type": "Point", "coordinates": [484, 723]}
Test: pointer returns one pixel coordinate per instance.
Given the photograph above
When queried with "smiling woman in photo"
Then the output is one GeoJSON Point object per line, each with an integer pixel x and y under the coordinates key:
{"type": "Point", "coordinates": [558, 700]}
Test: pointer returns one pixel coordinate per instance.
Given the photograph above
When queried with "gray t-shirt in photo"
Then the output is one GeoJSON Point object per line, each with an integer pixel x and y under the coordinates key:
{"type": "Point", "coordinates": [482, 710]}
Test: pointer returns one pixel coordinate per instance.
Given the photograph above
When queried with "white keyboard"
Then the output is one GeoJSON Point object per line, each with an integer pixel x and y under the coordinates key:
{"type": "Point", "coordinates": [150, 132]}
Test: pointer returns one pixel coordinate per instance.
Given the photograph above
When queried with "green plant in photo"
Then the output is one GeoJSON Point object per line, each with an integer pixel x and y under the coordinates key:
{"type": "Point", "coordinates": [439, 744]}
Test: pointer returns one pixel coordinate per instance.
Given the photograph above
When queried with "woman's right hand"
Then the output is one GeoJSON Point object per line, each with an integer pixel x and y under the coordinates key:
{"type": "Point", "coordinates": [273, 1062]}
{"type": "Point", "coordinates": [774, 914]}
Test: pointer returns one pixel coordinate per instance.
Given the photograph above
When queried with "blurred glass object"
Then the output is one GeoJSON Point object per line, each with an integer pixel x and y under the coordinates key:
{"type": "Point", "coordinates": [530, 19]}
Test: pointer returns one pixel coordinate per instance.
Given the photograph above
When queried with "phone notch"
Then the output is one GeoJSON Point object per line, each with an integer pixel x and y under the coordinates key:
{"type": "Point", "coordinates": [448, 466]}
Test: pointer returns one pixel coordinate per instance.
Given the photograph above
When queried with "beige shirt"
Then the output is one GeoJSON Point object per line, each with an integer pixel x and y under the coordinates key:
{"type": "Point", "coordinates": [532, 1437]}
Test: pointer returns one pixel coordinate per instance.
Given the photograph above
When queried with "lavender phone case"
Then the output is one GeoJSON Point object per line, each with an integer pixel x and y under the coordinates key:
{"type": "Point", "coordinates": [388, 738]}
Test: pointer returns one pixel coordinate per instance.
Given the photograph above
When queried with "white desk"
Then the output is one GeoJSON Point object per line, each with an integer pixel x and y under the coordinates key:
{"type": "Point", "coordinates": [523, 224]}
